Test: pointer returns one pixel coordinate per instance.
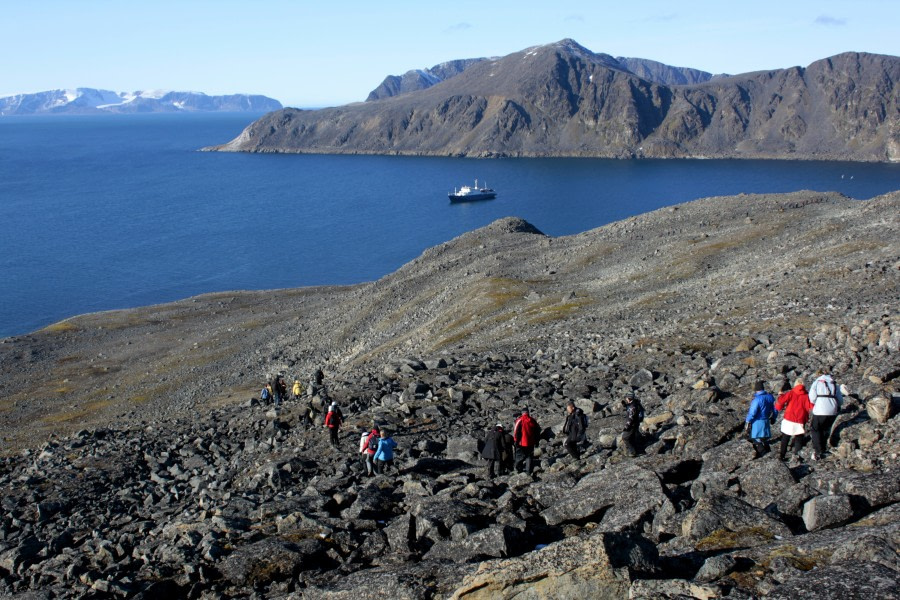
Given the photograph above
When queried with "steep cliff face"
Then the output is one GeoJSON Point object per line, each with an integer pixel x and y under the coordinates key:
{"type": "Point", "coordinates": [564, 100]}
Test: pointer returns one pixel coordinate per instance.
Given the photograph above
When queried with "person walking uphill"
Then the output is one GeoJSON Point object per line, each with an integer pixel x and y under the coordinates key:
{"type": "Point", "coordinates": [384, 454]}
{"type": "Point", "coordinates": [333, 421]}
{"type": "Point", "coordinates": [634, 414]}
{"type": "Point", "coordinates": [574, 429]}
{"type": "Point", "coordinates": [526, 432]}
{"type": "Point", "coordinates": [826, 398]}
{"type": "Point", "coordinates": [796, 406]}
{"type": "Point", "coordinates": [761, 413]}
{"type": "Point", "coordinates": [493, 449]}
{"type": "Point", "coordinates": [368, 444]}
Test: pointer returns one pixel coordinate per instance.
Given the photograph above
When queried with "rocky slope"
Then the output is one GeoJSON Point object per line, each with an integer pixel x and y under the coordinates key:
{"type": "Point", "coordinates": [564, 100]}
{"type": "Point", "coordinates": [161, 478]}
{"type": "Point", "coordinates": [82, 101]}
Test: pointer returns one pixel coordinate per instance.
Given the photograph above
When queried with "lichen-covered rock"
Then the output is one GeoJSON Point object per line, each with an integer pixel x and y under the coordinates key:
{"type": "Point", "coordinates": [855, 579]}
{"type": "Point", "coordinates": [827, 511]}
{"type": "Point", "coordinates": [721, 521]}
{"type": "Point", "coordinates": [593, 566]}
{"type": "Point", "coordinates": [626, 492]}
{"type": "Point", "coordinates": [272, 560]}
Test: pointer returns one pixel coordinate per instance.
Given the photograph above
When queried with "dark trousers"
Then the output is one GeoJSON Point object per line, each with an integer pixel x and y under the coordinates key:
{"type": "Point", "coordinates": [761, 446]}
{"type": "Point", "coordinates": [793, 440]}
{"type": "Point", "coordinates": [491, 466]}
{"type": "Point", "coordinates": [334, 435]}
{"type": "Point", "coordinates": [630, 441]}
{"type": "Point", "coordinates": [573, 450]}
{"type": "Point", "coordinates": [524, 456]}
{"type": "Point", "coordinates": [820, 431]}
{"type": "Point", "coordinates": [381, 466]}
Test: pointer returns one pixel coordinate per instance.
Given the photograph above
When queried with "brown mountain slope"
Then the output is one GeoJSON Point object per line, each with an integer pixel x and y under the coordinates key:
{"type": "Point", "coordinates": [564, 100]}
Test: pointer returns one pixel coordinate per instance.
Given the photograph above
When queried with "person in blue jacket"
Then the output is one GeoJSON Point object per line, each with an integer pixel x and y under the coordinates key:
{"type": "Point", "coordinates": [384, 454]}
{"type": "Point", "coordinates": [762, 412]}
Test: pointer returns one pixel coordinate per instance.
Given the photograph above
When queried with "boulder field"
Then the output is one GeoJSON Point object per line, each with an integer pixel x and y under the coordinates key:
{"type": "Point", "coordinates": [138, 461]}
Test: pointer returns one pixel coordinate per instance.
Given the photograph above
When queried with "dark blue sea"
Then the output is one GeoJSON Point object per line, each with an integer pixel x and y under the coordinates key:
{"type": "Point", "coordinates": [111, 212]}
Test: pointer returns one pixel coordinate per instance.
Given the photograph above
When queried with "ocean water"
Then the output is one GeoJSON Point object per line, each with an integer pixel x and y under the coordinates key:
{"type": "Point", "coordinates": [109, 212]}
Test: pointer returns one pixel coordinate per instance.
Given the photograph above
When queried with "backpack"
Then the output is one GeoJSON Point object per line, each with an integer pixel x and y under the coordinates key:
{"type": "Point", "coordinates": [584, 420]}
{"type": "Point", "coordinates": [373, 442]}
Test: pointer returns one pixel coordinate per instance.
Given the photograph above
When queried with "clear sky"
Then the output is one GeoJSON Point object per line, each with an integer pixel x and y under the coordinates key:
{"type": "Point", "coordinates": [329, 52]}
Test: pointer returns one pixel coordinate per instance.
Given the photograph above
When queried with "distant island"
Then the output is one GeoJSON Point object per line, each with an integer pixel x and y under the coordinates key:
{"type": "Point", "coordinates": [85, 101]}
{"type": "Point", "coordinates": [562, 99]}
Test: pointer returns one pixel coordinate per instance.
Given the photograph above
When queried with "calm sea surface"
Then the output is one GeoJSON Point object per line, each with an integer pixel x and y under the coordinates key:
{"type": "Point", "coordinates": [118, 211]}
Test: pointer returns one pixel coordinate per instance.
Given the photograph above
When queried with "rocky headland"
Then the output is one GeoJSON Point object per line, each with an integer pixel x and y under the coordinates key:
{"type": "Point", "coordinates": [137, 461]}
{"type": "Point", "coordinates": [565, 100]}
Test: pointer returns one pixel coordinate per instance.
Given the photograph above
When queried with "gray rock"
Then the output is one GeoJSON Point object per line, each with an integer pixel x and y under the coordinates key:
{"type": "Point", "coordinates": [855, 579]}
{"type": "Point", "coordinates": [642, 378]}
{"type": "Point", "coordinates": [827, 511]}
{"type": "Point", "coordinates": [271, 560]}
{"type": "Point", "coordinates": [602, 493]}
{"type": "Point", "coordinates": [492, 542]}
{"type": "Point", "coordinates": [879, 409]}
{"type": "Point", "coordinates": [715, 567]}
{"type": "Point", "coordinates": [721, 521]}
{"type": "Point", "coordinates": [763, 479]}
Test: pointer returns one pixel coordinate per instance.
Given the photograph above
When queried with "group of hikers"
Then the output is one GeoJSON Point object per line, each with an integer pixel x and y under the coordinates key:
{"type": "Point", "coordinates": [816, 408]}
{"type": "Point", "coordinates": [506, 452]}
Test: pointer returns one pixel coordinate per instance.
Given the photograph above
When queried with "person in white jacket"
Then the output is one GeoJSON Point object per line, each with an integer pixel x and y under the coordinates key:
{"type": "Point", "coordinates": [826, 398]}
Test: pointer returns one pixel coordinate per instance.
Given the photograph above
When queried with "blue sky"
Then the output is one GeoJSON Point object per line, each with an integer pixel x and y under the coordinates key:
{"type": "Point", "coordinates": [326, 53]}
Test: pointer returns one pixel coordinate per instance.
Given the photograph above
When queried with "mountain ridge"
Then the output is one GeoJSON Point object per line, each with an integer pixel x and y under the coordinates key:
{"type": "Point", "coordinates": [99, 101]}
{"type": "Point", "coordinates": [564, 100]}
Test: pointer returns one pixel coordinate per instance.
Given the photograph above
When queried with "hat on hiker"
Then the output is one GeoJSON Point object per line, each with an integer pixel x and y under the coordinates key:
{"type": "Point", "coordinates": [631, 396]}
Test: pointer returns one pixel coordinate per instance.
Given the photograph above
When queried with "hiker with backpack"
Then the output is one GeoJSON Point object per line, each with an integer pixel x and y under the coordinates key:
{"type": "Point", "coordinates": [634, 414]}
{"type": "Point", "coordinates": [795, 405]}
{"type": "Point", "coordinates": [368, 445]}
{"type": "Point", "coordinates": [296, 390]}
{"type": "Point", "coordinates": [826, 398]}
{"type": "Point", "coordinates": [384, 452]}
{"type": "Point", "coordinates": [574, 428]}
{"type": "Point", "coordinates": [493, 449]}
{"type": "Point", "coordinates": [265, 395]}
{"type": "Point", "coordinates": [281, 391]}
{"type": "Point", "coordinates": [333, 421]}
{"type": "Point", "coordinates": [762, 412]}
{"type": "Point", "coordinates": [526, 433]}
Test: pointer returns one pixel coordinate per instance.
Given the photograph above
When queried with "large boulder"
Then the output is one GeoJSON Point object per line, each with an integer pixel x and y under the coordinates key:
{"type": "Point", "coordinates": [827, 511]}
{"type": "Point", "coordinates": [856, 579]}
{"type": "Point", "coordinates": [875, 489]}
{"type": "Point", "coordinates": [763, 480]}
{"type": "Point", "coordinates": [722, 521]}
{"type": "Point", "coordinates": [598, 566]}
{"type": "Point", "coordinates": [619, 497]}
{"type": "Point", "coordinates": [492, 542]}
{"type": "Point", "coordinates": [417, 581]}
{"type": "Point", "coordinates": [272, 560]}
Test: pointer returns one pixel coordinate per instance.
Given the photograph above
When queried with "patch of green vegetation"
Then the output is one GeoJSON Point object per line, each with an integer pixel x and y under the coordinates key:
{"type": "Point", "coordinates": [797, 558]}
{"type": "Point", "coordinates": [722, 539]}
{"type": "Point", "coordinates": [61, 327]}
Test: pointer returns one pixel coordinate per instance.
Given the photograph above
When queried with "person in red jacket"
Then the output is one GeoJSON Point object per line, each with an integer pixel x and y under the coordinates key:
{"type": "Point", "coordinates": [333, 421]}
{"type": "Point", "coordinates": [526, 433]}
{"type": "Point", "coordinates": [796, 406]}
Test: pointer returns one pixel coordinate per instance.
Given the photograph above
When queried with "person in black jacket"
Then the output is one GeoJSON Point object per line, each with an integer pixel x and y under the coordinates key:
{"type": "Point", "coordinates": [574, 430]}
{"type": "Point", "coordinates": [493, 449]}
{"type": "Point", "coordinates": [634, 414]}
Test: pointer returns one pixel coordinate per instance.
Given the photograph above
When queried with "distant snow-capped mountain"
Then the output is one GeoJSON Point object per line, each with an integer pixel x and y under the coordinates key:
{"type": "Point", "coordinates": [93, 101]}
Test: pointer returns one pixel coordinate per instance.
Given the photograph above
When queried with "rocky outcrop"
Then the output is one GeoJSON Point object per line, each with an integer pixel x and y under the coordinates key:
{"type": "Point", "coordinates": [564, 100]}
